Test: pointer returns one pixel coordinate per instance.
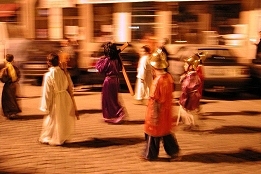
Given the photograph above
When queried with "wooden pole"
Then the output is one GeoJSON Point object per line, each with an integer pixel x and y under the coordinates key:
{"type": "Point", "coordinates": [124, 71]}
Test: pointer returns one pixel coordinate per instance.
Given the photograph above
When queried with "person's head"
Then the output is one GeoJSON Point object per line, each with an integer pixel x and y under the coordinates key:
{"type": "Point", "coordinates": [144, 50]}
{"type": "Point", "coordinates": [191, 63]}
{"type": "Point", "coordinates": [9, 58]}
{"type": "Point", "coordinates": [158, 61]}
{"type": "Point", "coordinates": [53, 59]}
{"type": "Point", "coordinates": [110, 50]}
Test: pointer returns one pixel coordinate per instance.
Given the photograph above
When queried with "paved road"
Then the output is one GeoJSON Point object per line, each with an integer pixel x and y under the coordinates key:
{"type": "Point", "coordinates": [229, 140]}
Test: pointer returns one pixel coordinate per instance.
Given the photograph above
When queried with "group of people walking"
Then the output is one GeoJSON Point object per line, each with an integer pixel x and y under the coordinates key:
{"type": "Point", "coordinates": [154, 84]}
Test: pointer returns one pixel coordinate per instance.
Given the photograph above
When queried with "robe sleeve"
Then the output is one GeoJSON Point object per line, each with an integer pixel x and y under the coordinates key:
{"type": "Point", "coordinates": [47, 95]}
{"type": "Point", "coordinates": [101, 64]}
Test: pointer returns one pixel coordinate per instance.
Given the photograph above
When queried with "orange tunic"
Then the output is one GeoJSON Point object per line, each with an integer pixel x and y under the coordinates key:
{"type": "Point", "coordinates": [158, 119]}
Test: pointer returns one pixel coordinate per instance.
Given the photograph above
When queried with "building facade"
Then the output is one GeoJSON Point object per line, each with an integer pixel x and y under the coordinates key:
{"type": "Point", "coordinates": [91, 22]}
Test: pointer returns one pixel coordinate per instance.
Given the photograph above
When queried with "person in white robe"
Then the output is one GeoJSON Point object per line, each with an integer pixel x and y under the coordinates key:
{"type": "Point", "coordinates": [57, 103]}
{"type": "Point", "coordinates": [144, 76]}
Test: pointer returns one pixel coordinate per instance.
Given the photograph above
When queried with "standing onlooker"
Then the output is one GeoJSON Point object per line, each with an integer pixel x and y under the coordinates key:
{"type": "Point", "coordinates": [258, 49]}
{"type": "Point", "coordinates": [190, 93]}
{"type": "Point", "coordinates": [158, 120]}
{"type": "Point", "coordinates": [144, 76]}
{"type": "Point", "coordinates": [110, 65]}
{"type": "Point", "coordinates": [58, 124]}
{"type": "Point", "coordinates": [10, 75]}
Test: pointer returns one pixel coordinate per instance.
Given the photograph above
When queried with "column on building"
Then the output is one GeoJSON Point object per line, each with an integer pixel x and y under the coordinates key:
{"type": "Point", "coordinates": [163, 21]}
{"type": "Point", "coordinates": [28, 17]}
{"type": "Point", "coordinates": [55, 23]}
{"type": "Point", "coordinates": [85, 34]}
{"type": "Point", "coordinates": [207, 34]}
{"type": "Point", "coordinates": [122, 22]}
{"type": "Point", "coordinates": [251, 16]}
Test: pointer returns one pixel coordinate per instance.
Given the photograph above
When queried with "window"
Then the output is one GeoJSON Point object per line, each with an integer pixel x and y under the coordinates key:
{"type": "Point", "coordinates": [143, 20]}
{"type": "Point", "coordinates": [102, 21]}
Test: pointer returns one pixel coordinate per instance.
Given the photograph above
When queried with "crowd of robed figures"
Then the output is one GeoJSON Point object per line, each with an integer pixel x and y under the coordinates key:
{"type": "Point", "coordinates": [154, 84]}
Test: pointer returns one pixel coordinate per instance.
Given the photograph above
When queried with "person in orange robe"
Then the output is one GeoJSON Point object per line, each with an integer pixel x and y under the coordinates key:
{"type": "Point", "coordinates": [158, 119]}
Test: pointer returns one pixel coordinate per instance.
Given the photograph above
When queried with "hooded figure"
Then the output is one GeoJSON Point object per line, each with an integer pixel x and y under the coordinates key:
{"type": "Point", "coordinates": [110, 65]}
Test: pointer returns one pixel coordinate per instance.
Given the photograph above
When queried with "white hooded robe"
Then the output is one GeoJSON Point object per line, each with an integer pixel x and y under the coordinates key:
{"type": "Point", "coordinates": [58, 124]}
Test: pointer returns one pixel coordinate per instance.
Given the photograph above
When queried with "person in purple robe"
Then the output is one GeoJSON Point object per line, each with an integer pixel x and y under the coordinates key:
{"type": "Point", "coordinates": [110, 65]}
{"type": "Point", "coordinates": [190, 93]}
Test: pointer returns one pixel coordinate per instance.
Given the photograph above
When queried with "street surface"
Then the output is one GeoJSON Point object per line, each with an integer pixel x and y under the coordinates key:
{"type": "Point", "coordinates": [228, 142]}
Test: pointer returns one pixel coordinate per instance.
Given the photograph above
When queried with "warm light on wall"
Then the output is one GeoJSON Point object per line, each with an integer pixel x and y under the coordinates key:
{"type": "Point", "coordinates": [121, 1]}
{"type": "Point", "coordinates": [121, 24]}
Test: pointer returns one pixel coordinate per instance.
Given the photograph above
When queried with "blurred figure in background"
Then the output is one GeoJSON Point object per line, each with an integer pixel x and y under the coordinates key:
{"type": "Point", "coordinates": [159, 120]}
{"type": "Point", "coordinates": [144, 76]}
{"type": "Point", "coordinates": [56, 102]}
{"type": "Point", "coordinates": [10, 75]}
{"type": "Point", "coordinates": [258, 49]}
{"type": "Point", "coordinates": [162, 45]}
{"type": "Point", "coordinates": [190, 94]}
{"type": "Point", "coordinates": [110, 65]}
{"type": "Point", "coordinates": [67, 47]}
{"type": "Point", "coordinates": [67, 54]}
{"type": "Point", "coordinates": [63, 63]}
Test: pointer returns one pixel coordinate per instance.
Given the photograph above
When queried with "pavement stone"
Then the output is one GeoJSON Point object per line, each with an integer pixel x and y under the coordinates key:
{"type": "Point", "coordinates": [228, 142]}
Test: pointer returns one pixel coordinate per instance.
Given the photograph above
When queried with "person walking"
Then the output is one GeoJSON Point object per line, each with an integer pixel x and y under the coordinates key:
{"type": "Point", "coordinates": [110, 65]}
{"type": "Point", "coordinates": [258, 47]}
{"type": "Point", "coordinates": [144, 76]}
{"type": "Point", "coordinates": [190, 93]}
{"type": "Point", "coordinates": [10, 76]}
{"type": "Point", "coordinates": [158, 119]}
{"type": "Point", "coordinates": [56, 102]}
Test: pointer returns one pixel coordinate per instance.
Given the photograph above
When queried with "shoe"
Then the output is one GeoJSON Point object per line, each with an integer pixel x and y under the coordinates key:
{"type": "Point", "coordinates": [12, 116]}
{"type": "Point", "coordinates": [175, 157]}
{"type": "Point", "coordinates": [42, 142]}
{"type": "Point", "coordinates": [147, 159]}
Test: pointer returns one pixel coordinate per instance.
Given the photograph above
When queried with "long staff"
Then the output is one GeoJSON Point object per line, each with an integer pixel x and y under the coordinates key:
{"type": "Point", "coordinates": [124, 71]}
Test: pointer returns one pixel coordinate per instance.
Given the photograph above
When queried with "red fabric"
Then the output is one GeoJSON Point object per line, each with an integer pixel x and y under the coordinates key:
{"type": "Point", "coordinates": [158, 119]}
{"type": "Point", "coordinates": [201, 76]}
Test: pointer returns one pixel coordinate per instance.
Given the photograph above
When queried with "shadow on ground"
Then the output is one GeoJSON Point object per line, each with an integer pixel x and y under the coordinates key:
{"type": "Point", "coordinates": [5, 172]}
{"type": "Point", "coordinates": [235, 130]}
{"type": "Point", "coordinates": [244, 155]}
{"type": "Point", "coordinates": [231, 96]}
{"type": "Point", "coordinates": [28, 117]}
{"type": "Point", "coordinates": [40, 116]}
{"type": "Point", "coordinates": [133, 122]}
{"type": "Point", "coordinates": [105, 142]}
{"type": "Point", "coordinates": [241, 113]}
{"type": "Point", "coordinates": [89, 111]}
